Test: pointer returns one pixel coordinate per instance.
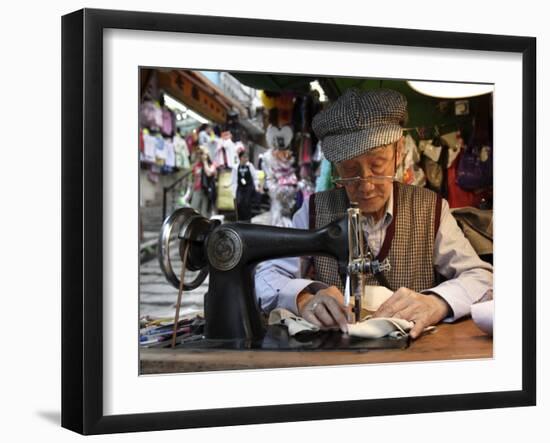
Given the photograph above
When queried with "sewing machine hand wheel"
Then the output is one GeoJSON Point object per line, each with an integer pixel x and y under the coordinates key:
{"type": "Point", "coordinates": [191, 229]}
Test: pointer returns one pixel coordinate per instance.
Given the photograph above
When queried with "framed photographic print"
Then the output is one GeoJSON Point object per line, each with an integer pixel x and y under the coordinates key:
{"type": "Point", "coordinates": [256, 208]}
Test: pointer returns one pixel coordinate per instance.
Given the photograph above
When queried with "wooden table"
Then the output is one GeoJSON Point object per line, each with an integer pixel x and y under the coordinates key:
{"type": "Point", "coordinates": [461, 340]}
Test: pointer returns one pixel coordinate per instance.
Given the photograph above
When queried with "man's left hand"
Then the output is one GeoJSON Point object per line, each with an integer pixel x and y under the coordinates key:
{"type": "Point", "coordinates": [422, 309]}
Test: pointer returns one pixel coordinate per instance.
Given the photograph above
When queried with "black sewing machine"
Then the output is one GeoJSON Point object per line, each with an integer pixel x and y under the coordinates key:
{"type": "Point", "coordinates": [230, 252]}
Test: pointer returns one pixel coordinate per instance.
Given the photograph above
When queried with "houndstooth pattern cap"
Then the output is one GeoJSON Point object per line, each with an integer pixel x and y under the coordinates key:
{"type": "Point", "coordinates": [359, 121]}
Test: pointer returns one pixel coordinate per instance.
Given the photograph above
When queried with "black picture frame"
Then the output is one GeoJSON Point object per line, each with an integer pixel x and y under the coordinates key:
{"type": "Point", "coordinates": [82, 230]}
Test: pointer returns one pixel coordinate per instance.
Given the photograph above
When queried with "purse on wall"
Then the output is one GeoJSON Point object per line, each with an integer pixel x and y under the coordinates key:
{"type": "Point", "coordinates": [475, 168]}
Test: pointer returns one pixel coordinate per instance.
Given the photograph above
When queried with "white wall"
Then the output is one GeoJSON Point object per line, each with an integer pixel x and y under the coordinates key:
{"type": "Point", "coordinates": [30, 316]}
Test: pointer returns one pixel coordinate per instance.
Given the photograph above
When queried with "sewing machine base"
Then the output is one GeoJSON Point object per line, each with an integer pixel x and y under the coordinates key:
{"type": "Point", "coordinates": [277, 339]}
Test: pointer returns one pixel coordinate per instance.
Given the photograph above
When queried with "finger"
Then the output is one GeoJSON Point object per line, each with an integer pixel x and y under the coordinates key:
{"type": "Point", "coordinates": [386, 308]}
{"type": "Point", "coordinates": [310, 317]}
{"type": "Point", "coordinates": [338, 313]}
{"type": "Point", "coordinates": [334, 292]}
{"type": "Point", "coordinates": [399, 305]}
{"type": "Point", "coordinates": [418, 327]}
{"type": "Point", "coordinates": [398, 301]}
{"type": "Point", "coordinates": [323, 315]}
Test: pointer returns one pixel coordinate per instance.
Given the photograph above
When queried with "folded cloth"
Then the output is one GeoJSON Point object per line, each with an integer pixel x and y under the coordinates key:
{"type": "Point", "coordinates": [380, 327]}
{"type": "Point", "coordinates": [369, 328]}
{"type": "Point", "coordinates": [375, 296]}
{"type": "Point", "coordinates": [293, 322]}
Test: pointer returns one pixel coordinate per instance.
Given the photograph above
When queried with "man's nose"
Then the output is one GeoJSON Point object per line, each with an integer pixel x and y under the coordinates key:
{"type": "Point", "coordinates": [365, 185]}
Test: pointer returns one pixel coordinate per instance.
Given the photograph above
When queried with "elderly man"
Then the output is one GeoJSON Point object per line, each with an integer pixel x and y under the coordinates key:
{"type": "Point", "coordinates": [435, 273]}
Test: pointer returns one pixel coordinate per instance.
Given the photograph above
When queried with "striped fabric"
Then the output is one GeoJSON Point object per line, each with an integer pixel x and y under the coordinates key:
{"type": "Point", "coordinates": [409, 241]}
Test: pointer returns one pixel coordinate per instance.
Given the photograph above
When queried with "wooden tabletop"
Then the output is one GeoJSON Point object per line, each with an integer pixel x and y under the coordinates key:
{"type": "Point", "coordinates": [461, 340]}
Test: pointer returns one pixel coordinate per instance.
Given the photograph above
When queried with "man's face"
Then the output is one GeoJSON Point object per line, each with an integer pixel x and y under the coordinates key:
{"type": "Point", "coordinates": [380, 161]}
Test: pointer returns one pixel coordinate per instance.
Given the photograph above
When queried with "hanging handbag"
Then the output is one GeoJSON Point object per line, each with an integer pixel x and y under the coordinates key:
{"type": "Point", "coordinates": [475, 168]}
{"type": "Point", "coordinates": [224, 200]}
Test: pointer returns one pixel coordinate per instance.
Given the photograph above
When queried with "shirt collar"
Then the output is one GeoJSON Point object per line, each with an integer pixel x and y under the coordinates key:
{"type": "Point", "coordinates": [388, 216]}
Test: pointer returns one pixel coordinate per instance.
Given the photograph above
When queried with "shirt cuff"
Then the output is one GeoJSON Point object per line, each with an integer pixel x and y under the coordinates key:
{"type": "Point", "coordinates": [455, 296]}
{"type": "Point", "coordinates": [289, 292]}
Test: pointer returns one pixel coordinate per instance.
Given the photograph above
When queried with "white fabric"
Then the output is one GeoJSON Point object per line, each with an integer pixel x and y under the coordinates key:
{"type": "Point", "coordinates": [368, 328]}
{"type": "Point", "coordinates": [429, 150]}
{"type": "Point", "coordinates": [454, 146]}
{"type": "Point", "coordinates": [204, 138]}
{"type": "Point", "coordinates": [181, 152]}
{"type": "Point", "coordinates": [374, 296]}
{"type": "Point", "coordinates": [230, 153]}
{"type": "Point", "coordinates": [380, 327]}
{"type": "Point", "coordinates": [160, 151]}
{"type": "Point", "coordinates": [149, 148]}
{"type": "Point", "coordinates": [170, 153]}
{"type": "Point", "coordinates": [482, 314]}
{"type": "Point", "coordinates": [294, 323]}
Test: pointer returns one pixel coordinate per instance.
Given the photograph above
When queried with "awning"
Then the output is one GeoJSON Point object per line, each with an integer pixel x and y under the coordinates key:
{"type": "Point", "coordinates": [198, 93]}
{"type": "Point", "coordinates": [423, 110]}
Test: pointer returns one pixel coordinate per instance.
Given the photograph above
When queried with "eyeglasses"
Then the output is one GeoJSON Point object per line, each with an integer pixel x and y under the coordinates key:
{"type": "Point", "coordinates": [373, 179]}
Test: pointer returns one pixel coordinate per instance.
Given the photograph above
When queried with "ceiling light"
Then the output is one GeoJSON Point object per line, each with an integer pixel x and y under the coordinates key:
{"type": "Point", "coordinates": [450, 90]}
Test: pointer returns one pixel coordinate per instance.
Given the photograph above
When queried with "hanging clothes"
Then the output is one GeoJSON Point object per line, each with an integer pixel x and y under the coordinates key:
{"type": "Point", "coordinates": [150, 115]}
{"type": "Point", "coordinates": [181, 152]}
{"type": "Point", "coordinates": [160, 152]}
{"type": "Point", "coordinates": [203, 186]}
{"type": "Point", "coordinates": [141, 147]}
{"type": "Point", "coordinates": [305, 149]}
{"type": "Point", "coordinates": [226, 154]}
{"type": "Point", "coordinates": [149, 148]}
{"type": "Point", "coordinates": [281, 183]}
{"type": "Point", "coordinates": [247, 182]}
{"type": "Point", "coordinates": [434, 163]}
{"type": "Point", "coordinates": [170, 161]}
{"type": "Point", "coordinates": [168, 122]}
{"type": "Point", "coordinates": [409, 172]}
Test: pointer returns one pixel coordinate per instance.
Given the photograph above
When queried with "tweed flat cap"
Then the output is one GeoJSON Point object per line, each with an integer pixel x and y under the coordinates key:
{"type": "Point", "coordinates": [359, 121]}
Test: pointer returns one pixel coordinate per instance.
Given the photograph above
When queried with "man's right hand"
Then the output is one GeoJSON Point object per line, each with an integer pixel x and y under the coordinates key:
{"type": "Point", "coordinates": [325, 309]}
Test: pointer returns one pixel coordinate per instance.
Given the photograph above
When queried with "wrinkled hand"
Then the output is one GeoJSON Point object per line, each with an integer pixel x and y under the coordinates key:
{"type": "Point", "coordinates": [326, 309]}
{"type": "Point", "coordinates": [422, 309]}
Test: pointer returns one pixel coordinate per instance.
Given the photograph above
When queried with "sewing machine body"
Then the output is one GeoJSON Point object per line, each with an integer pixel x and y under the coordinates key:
{"type": "Point", "coordinates": [229, 253]}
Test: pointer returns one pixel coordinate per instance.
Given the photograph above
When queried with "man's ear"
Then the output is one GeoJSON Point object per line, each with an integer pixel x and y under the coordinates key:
{"type": "Point", "coordinates": [337, 168]}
